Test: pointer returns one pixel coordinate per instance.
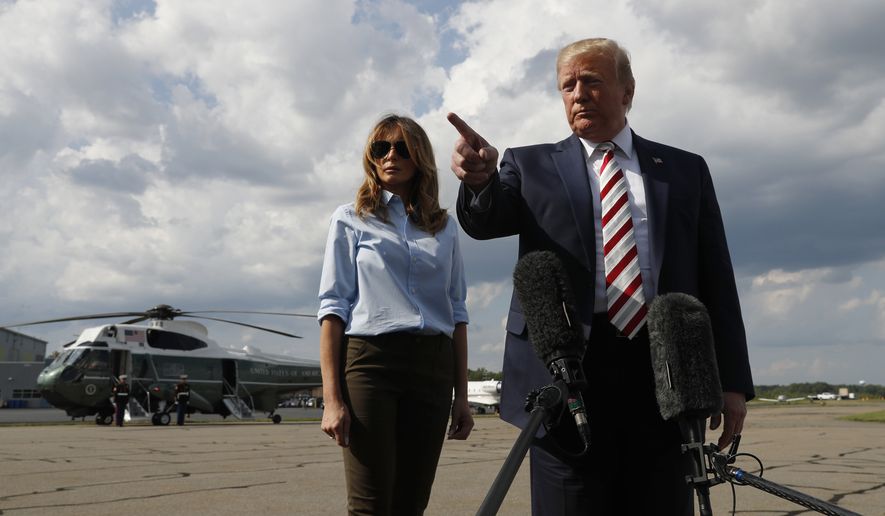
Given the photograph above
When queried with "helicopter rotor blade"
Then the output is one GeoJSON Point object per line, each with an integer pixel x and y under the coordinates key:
{"type": "Point", "coordinates": [242, 324]}
{"type": "Point", "coordinates": [248, 312]}
{"type": "Point", "coordinates": [136, 320]}
{"type": "Point", "coordinates": [77, 318]}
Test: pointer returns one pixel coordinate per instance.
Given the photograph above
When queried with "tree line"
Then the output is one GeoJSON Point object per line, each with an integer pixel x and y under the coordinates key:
{"type": "Point", "coordinates": [482, 374]}
{"type": "Point", "coordinates": [867, 391]}
{"type": "Point", "coordinates": [793, 390]}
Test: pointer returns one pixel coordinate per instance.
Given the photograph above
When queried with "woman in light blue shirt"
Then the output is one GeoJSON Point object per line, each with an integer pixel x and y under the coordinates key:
{"type": "Point", "coordinates": [393, 315]}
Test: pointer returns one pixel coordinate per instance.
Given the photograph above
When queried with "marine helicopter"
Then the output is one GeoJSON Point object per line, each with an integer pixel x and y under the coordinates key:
{"type": "Point", "coordinates": [153, 350]}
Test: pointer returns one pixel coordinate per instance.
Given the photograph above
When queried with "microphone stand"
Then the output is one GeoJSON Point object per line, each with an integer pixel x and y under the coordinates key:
{"type": "Point", "coordinates": [545, 406]}
{"type": "Point", "coordinates": [693, 433]}
{"type": "Point", "coordinates": [724, 472]}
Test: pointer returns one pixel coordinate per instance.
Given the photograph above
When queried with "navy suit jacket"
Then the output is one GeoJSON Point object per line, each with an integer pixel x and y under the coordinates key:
{"type": "Point", "coordinates": [542, 193]}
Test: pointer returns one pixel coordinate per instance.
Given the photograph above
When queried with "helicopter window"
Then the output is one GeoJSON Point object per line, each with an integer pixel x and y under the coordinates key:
{"type": "Point", "coordinates": [92, 360]}
{"type": "Point", "coordinates": [60, 358]}
{"type": "Point", "coordinates": [72, 356]}
{"type": "Point", "coordinates": [170, 340]}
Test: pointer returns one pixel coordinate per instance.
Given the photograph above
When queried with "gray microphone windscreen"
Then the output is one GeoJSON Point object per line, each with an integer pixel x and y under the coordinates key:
{"type": "Point", "coordinates": [542, 286]}
{"type": "Point", "coordinates": [683, 357]}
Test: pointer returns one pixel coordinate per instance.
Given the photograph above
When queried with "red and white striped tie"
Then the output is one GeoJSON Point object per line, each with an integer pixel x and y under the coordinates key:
{"type": "Point", "coordinates": [623, 281]}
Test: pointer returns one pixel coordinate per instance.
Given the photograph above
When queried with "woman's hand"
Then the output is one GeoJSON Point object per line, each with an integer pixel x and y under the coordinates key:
{"type": "Point", "coordinates": [462, 420]}
{"type": "Point", "coordinates": [336, 417]}
{"type": "Point", "coordinates": [336, 422]}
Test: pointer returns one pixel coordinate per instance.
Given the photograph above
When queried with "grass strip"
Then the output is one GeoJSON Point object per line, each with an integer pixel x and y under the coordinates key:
{"type": "Point", "coordinates": [867, 417]}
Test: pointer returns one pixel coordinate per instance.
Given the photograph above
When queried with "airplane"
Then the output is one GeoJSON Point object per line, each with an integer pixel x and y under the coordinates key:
{"type": "Point", "coordinates": [153, 350]}
{"type": "Point", "coordinates": [824, 396]}
{"type": "Point", "coordinates": [484, 396]}
{"type": "Point", "coordinates": [781, 398]}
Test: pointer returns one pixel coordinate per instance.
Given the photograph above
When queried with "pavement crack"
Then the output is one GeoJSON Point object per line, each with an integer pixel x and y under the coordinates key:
{"type": "Point", "coordinates": [130, 498]}
{"type": "Point", "coordinates": [95, 484]}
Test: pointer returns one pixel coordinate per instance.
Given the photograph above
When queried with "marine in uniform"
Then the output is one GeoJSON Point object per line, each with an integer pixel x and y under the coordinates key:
{"type": "Point", "coordinates": [121, 398]}
{"type": "Point", "coordinates": [182, 397]}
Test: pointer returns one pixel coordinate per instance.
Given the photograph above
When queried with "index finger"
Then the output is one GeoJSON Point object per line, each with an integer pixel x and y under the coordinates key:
{"type": "Point", "coordinates": [472, 137]}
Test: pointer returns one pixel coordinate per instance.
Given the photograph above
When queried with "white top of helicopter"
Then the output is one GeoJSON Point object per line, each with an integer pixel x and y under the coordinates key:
{"type": "Point", "coordinates": [133, 337]}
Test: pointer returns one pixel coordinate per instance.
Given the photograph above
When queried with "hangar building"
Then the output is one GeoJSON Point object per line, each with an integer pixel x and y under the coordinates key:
{"type": "Point", "coordinates": [22, 357]}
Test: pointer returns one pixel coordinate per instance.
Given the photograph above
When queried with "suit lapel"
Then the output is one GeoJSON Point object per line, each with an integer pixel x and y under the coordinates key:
{"type": "Point", "coordinates": [572, 168]}
{"type": "Point", "coordinates": [656, 190]}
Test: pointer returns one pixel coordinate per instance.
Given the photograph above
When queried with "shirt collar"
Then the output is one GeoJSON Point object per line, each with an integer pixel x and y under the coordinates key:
{"type": "Point", "coordinates": [623, 140]}
{"type": "Point", "coordinates": [386, 197]}
{"type": "Point", "coordinates": [393, 202]}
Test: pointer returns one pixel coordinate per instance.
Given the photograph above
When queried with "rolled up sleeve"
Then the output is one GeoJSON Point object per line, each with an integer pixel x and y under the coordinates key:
{"type": "Point", "coordinates": [338, 282]}
{"type": "Point", "coordinates": [458, 287]}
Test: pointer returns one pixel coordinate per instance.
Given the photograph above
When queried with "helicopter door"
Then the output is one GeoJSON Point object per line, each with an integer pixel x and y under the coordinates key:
{"type": "Point", "coordinates": [121, 363]}
{"type": "Point", "coordinates": [229, 372]}
{"type": "Point", "coordinates": [235, 405]}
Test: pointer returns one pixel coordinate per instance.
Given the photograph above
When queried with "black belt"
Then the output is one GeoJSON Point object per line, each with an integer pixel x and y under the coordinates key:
{"type": "Point", "coordinates": [398, 337]}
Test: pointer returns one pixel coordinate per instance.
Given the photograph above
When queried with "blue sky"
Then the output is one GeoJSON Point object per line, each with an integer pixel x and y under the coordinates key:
{"type": "Point", "coordinates": [190, 153]}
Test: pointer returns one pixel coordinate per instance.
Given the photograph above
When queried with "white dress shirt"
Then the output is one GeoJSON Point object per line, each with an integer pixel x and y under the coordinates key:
{"type": "Point", "coordinates": [626, 157]}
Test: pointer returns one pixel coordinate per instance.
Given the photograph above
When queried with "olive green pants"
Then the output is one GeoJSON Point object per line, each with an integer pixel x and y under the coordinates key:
{"type": "Point", "coordinates": [398, 387]}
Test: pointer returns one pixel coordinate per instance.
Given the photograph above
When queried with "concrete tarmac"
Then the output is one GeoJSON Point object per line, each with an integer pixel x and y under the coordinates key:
{"type": "Point", "coordinates": [214, 468]}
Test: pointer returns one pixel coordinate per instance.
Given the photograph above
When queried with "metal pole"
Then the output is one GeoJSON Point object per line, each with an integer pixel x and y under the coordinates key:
{"type": "Point", "coordinates": [789, 494]}
{"type": "Point", "coordinates": [549, 398]}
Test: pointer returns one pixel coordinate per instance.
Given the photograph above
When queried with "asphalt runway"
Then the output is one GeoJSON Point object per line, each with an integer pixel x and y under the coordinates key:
{"type": "Point", "coordinates": [212, 468]}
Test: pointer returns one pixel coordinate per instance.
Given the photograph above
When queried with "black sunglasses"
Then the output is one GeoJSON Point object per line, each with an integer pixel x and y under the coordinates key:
{"type": "Point", "coordinates": [380, 148]}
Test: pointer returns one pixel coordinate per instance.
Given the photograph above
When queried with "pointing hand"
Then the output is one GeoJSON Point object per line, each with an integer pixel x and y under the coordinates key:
{"type": "Point", "coordinates": [474, 161]}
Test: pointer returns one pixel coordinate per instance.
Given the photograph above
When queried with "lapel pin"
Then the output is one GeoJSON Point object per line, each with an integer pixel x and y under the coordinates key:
{"type": "Point", "coordinates": [658, 161]}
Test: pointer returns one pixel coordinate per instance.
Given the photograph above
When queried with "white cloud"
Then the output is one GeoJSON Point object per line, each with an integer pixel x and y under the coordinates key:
{"type": "Point", "coordinates": [874, 302]}
{"type": "Point", "coordinates": [779, 367]}
{"type": "Point", "coordinates": [480, 295]}
{"type": "Point", "coordinates": [193, 153]}
{"type": "Point", "coordinates": [814, 324]}
{"type": "Point", "coordinates": [492, 348]}
{"type": "Point", "coordinates": [781, 291]}
{"type": "Point", "coordinates": [875, 298]}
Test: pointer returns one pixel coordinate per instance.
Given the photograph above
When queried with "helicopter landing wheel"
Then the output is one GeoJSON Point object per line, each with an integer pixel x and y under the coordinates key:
{"type": "Point", "coordinates": [163, 418]}
{"type": "Point", "coordinates": [104, 419]}
{"type": "Point", "coordinates": [276, 419]}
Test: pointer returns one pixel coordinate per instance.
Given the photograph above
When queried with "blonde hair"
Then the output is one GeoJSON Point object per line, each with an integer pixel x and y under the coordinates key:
{"type": "Point", "coordinates": [422, 204]}
{"type": "Point", "coordinates": [604, 47]}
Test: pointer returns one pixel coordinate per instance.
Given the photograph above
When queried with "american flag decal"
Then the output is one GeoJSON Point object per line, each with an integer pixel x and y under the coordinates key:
{"type": "Point", "coordinates": [133, 336]}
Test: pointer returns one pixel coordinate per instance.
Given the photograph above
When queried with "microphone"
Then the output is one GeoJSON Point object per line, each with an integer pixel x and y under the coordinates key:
{"type": "Point", "coordinates": [687, 384]}
{"type": "Point", "coordinates": [542, 287]}
{"type": "Point", "coordinates": [682, 355]}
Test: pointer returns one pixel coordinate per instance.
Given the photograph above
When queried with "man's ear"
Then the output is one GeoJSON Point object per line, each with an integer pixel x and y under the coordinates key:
{"type": "Point", "coordinates": [629, 90]}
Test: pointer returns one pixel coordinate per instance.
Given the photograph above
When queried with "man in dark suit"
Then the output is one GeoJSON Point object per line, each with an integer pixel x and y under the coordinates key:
{"type": "Point", "coordinates": [549, 195]}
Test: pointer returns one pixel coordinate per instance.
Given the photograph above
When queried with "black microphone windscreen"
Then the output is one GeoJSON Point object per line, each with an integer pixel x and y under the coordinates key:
{"type": "Point", "coordinates": [542, 286]}
{"type": "Point", "coordinates": [683, 357]}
